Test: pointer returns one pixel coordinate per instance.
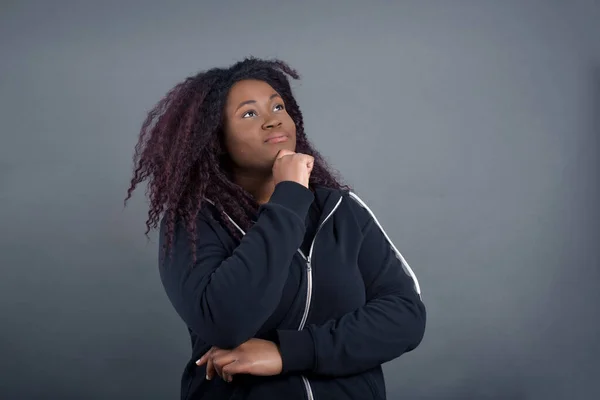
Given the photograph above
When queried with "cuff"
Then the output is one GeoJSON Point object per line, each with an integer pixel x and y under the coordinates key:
{"type": "Point", "coordinates": [294, 197]}
{"type": "Point", "coordinates": [297, 350]}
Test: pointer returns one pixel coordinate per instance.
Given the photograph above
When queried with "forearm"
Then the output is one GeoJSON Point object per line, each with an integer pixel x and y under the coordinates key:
{"type": "Point", "coordinates": [225, 299]}
{"type": "Point", "coordinates": [378, 332]}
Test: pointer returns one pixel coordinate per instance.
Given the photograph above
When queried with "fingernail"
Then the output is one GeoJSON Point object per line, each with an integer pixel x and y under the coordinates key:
{"type": "Point", "coordinates": [207, 377]}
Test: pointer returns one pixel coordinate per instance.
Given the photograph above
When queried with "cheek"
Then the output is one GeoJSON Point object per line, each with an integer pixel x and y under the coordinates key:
{"type": "Point", "coordinates": [290, 125]}
{"type": "Point", "coordinates": [239, 148]}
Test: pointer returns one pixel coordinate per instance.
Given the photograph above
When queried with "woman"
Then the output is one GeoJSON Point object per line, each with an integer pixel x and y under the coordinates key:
{"type": "Point", "coordinates": [288, 285]}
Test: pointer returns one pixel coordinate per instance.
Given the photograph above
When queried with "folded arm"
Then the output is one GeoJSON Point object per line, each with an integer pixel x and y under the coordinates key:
{"type": "Point", "coordinates": [226, 298]}
{"type": "Point", "coordinates": [391, 323]}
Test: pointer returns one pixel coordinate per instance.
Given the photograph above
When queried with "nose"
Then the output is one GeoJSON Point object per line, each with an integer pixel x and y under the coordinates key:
{"type": "Point", "coordinates": [271, 123]}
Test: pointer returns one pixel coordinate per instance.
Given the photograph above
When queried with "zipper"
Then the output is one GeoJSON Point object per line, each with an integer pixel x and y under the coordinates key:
{"type": "Point", "coordinates": [307, 387]}
{"type": "Point", "coordinates": [308, 290]}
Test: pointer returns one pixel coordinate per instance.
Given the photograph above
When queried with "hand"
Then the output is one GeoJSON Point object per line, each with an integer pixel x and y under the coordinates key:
{"type": "Point", "coordinates": [255, 357]}
{"type": "Point", "coordinates": [290, 166]}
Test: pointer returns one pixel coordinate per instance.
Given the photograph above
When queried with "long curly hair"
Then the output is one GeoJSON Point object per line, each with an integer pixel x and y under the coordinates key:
{"type": "Point", "coordinates": [181, 152]}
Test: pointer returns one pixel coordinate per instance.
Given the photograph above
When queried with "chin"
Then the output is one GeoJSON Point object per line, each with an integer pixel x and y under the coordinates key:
{"type": "Point", "coordinates": [289, 145]}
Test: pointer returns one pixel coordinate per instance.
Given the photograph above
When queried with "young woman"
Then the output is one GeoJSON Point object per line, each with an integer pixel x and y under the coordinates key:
{"type": "Point", "coordinates": [288, 285]}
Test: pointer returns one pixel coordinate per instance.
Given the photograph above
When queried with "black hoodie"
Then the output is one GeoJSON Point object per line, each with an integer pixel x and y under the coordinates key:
{"type": "Point", "coordinates": [316, 274]}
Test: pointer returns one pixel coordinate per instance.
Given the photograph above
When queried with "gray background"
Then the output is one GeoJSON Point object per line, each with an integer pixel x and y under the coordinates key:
{"type": "Point", "coordinates": [470, 127]}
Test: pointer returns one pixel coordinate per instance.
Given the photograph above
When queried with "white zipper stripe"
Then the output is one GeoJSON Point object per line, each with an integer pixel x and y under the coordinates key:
{"type": "Point", "coordinates": [320, 226]}
{"type": "Point", "coordinates": [309, 268]}
{"type": "Point", "coordinates": [399, 255]}
{"type": "Point", "coordinates": [307, 387]}
{"type": "Point", "coordinates": [229, 218]}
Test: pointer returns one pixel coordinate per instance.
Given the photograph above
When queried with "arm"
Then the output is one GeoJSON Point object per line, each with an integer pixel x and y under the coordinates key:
{"type": "Point", "coordinates": [391, 323]}
{"type": "Point", "coordinates": [223, 298]}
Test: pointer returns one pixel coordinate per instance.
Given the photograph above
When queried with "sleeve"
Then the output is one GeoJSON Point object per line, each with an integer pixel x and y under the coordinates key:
{"type": "Point", "coordinates": [391, 323]}
{"type": "Point", "coordinates": [225, 298]}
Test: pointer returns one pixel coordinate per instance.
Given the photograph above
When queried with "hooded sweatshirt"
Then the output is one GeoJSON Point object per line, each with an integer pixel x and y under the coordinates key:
{"type": "Point", "coordinates": [316, 274]}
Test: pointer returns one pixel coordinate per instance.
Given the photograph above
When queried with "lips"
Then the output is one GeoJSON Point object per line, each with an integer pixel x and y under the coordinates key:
{"type": "Point", "coordinates": [276, 138]}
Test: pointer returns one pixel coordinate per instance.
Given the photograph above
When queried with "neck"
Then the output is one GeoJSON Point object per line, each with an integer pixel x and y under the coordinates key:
{"type": "Point", "coordinates": [260, 186]}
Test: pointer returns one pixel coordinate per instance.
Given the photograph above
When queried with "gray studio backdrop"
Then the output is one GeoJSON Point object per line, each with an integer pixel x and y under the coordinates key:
{"type": "Point", "coordinates": [470, 127]}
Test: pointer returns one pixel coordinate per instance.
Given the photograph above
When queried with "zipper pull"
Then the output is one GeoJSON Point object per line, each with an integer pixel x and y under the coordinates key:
{"type": "Point", "coordinates": [308, 265]}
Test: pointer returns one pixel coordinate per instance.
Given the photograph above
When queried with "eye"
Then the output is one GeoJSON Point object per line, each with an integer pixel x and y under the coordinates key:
{"type": "Point", "coordinates": [279, 107]}
{"type": "Point", "coordinates": [249, 113]}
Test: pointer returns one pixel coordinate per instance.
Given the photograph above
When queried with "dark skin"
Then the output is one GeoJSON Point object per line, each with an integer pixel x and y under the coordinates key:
{"type": "Point", "coordinates": [260, 138]}
{"type": "Point", "coordinates": [253, 112]}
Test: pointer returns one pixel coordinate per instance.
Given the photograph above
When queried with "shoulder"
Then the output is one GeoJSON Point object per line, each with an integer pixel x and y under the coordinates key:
{"type": "Point", "coordinates": [358, 210]}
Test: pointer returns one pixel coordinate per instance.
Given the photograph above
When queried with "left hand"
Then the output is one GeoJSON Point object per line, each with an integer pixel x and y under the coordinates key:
{"type": "Point", "coordinates": [254, 357]}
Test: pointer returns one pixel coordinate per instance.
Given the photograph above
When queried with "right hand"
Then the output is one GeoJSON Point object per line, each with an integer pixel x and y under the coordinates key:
{"type": "Point", "coordinates": [290, 166]}
{"type": "Point", "coordinates": [255, 357]}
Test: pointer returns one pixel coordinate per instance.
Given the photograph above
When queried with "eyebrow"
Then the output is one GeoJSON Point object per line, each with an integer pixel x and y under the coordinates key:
{"type": "Point", "coordinates": [243, 103]}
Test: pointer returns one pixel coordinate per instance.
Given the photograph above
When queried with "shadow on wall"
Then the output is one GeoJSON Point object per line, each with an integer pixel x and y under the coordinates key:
{"type": "Point", "coordinates": [485, 385]}
{"type": "Point", "coordinates": [521, 383]}
{"type": "Point", "coordinates": [596, 111]}
{"type": "Point", "coordinates": [594, 139]}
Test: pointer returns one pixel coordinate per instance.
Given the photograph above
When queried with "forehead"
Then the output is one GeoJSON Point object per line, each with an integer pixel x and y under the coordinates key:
{"type": "Point", "coordinates": [249, 89]}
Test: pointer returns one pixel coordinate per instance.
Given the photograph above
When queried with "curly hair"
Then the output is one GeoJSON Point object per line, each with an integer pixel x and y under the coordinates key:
{"type": "Point", "coordinates": [181, 153]}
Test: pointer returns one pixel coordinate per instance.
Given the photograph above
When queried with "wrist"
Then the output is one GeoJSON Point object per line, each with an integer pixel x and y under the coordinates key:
{"type": "Point", "coordinates": [297, 350]}
{"type": "Point", "coordinates": [292, 196]}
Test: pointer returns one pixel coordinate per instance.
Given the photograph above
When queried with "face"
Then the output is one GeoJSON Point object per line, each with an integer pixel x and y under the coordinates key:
{"type": "Point", "coordinates": [257, 125]}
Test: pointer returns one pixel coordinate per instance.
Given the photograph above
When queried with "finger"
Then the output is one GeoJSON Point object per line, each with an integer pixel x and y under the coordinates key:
{"type": "Point", "coordinates": [210, 369]}
{"type": "Point", "coordinates": [236, 367]}
{"type": "Point", "coordinates": [221, 358]}
{"type": "Point", "coordinates": [205, 357]}
{"type": "Point", "coordinates": [310, 164]}
{"type": "Point", "coordinates": [282, 153]}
